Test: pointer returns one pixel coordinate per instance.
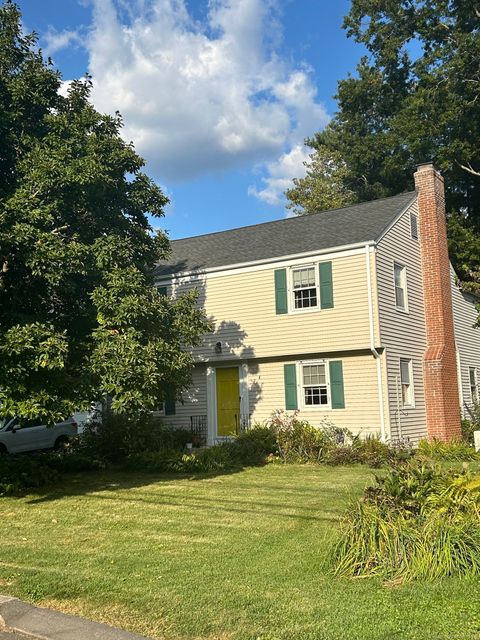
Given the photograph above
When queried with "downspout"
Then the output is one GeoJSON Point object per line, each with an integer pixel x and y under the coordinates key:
{"type": "Point", "coordinates": [375, 353]}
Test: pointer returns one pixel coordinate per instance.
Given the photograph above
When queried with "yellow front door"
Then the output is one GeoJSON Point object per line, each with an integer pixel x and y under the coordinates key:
{"type": "Point", "coordinates": [228, 401]}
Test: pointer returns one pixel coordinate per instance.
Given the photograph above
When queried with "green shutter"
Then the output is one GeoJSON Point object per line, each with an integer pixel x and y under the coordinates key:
{"type": "Point", "coordinates": [336, 384]}
{"type": "Point", "coordinates": [281, 305]}
{"type": "Point", "coordinates": [290, 379]}
{"type": "Point", "coordinates": [326, 285]}
{"type": "Point", "coordinates": [170, 406]}
{"type": "Point", "coordinates": [162, 291]}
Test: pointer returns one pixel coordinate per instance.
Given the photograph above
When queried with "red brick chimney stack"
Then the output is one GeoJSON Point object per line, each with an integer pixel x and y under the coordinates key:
{"type": "Point", "coordinates": [440, 360]}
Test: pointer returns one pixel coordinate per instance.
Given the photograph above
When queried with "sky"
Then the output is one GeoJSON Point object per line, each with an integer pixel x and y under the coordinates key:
{"type": "Point", "coordinates": [217, 96]}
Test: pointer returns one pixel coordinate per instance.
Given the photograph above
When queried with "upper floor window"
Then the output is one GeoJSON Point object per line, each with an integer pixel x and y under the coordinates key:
{"type": "Point", "coordinates": [473, 384]}
{"type": "Point", "coordinates": [414, 226]}
{"type": "Point", "coordinates": [305, 288]}
{"type": "Point", "coordinates": [314, 385]}
{"type": "Point", "coordinates": [400, 277]}
{"type": "Point", "coordinates": [406, 382]}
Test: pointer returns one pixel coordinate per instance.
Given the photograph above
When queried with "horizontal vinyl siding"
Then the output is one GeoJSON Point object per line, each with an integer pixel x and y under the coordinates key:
{"type": "Point", "coordinates": [467, 338]}
{"type": "Point", "coordinates": [242, 308]}
{"type": "Point", "coordinates": [361, 413]}
{"type": "Point", "coordinates": [402, 334]}
{"type": "Point", "coordinates": [194, 401]}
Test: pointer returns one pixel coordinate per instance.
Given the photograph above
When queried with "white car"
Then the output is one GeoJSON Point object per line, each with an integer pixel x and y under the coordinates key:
{"type": "Point", "coordinates": [18, 435]}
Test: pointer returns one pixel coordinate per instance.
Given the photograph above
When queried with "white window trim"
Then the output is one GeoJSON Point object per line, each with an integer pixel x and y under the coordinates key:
{"type": "Point", "coordinates": [300, 396]}
{"type": "Point", "coordinates": [405, 288]}
{"type": "Point", "coordinates": [412, 382]}
{"type": "Point", "coordinates": [290, 289]}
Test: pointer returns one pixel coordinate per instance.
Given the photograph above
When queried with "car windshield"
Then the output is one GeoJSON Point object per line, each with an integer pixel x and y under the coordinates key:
{"type": "Point", "coordinates": [4, 422]}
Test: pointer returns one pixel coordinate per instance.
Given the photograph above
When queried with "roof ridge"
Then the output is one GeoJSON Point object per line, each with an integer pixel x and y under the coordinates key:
{"type": "Point", "coordinates": [259, 224]}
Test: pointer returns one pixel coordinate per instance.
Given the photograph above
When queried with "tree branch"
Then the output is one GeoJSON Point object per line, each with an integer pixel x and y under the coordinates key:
{"type": "Point", "coordinates": [468, 168]}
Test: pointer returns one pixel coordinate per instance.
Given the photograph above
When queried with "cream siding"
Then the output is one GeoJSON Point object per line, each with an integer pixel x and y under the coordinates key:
{"type": "Point", "coordinates": [361, 413]}
{"type": "Point", "coordinates": [402, 334]}
{"type": "Point", "coordinates": [242, 308]}
{"type": "Point", "coordinates": [467, 338]}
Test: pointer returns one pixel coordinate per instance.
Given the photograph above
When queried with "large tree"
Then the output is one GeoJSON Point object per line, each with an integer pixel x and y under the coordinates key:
{"type": "Point", "coordinates": [80, 316]}
{"type": "Point", "coordinates": [415, 98]}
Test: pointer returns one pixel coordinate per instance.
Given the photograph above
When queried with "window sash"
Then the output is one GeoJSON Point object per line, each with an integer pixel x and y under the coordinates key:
{"type": "Point", "coordinates": [406, 382]}
{"type": "Point", "coordinates": [314, 385]}
{"type": "Point", "coordinates": [473, 384]}
{"type": "Point", "coordinates": [305, 288]}
{"type": "Point", "coordinates": [400, 286]}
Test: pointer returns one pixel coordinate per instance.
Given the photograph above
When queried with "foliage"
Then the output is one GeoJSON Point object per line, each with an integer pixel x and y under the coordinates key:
{"type": "Point", "coordinates": [418, 521]}
{"type": "Point", "coordinates": [118, 436]}
{"type": "Point", "coordinates": [439, 450]}
{"type": "Point", "coordinates": [79, 314]}
{"type": "Point", "coordinates": [298, 441]}
{"type": "Point", "coordinates": [323, 186]}
{"type": "Point", "coordinates": [414, 98]}
{"type": "Point", "coordinates": [471, 424]}
{"type": "Point", "coordinates": [18, 473]}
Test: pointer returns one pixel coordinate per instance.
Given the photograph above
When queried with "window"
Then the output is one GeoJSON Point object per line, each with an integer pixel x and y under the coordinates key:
{"type": "Point", "coordinates": [400, 277]}
{"type": "Point", "coordinates": [314, 385]}
{"type": "Point", "coordinates": [305, 289]}
{"type": "Point", "coordinates": [473, 384]}
{"type": "Point", "coordinates": [406, 382]}
{"type": "Point", "coordinates": [414, 226]}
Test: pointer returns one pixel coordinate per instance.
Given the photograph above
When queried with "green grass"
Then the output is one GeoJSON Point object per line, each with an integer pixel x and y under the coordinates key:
{"type": "Point", "coordinates": [241, 556]}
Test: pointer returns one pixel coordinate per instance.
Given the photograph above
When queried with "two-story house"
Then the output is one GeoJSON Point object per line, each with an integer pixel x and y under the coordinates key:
{"type": "Point", "coordinates": [352, 314]}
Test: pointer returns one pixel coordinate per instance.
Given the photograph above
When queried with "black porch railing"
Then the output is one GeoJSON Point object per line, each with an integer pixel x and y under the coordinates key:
{"type": "Point", "coordinates": [199, 430]}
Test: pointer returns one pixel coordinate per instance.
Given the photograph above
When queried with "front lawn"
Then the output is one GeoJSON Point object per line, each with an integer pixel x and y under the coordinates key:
{"type": "Point", "coordinates": [241, 556]}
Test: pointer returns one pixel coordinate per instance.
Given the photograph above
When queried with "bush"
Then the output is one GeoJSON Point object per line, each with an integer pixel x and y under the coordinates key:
{"type": "Point", "coordinates": [437, 450]}
{"type": "Point", "coordinates": [252, 447]}
{"type": "Point", "coordinates": [298, 441]}
{"type": "Point", "coordinates": [118, 437]}
{"type": "Point", "coordinates": [418, 522]}
{"type": "Point", "coordinates": [21, 472]}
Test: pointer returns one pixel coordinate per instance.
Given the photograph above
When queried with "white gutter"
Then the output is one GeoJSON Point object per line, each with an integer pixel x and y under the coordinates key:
{"type": "Point", "coordinates": [375, 353]}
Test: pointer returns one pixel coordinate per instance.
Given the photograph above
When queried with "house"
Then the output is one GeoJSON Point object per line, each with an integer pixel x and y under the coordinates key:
{"type": "Point", "coordinates": [351, 315]}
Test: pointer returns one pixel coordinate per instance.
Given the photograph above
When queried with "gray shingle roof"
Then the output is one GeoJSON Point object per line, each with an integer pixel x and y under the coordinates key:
{"type": "Point", "coordinates": [290, 236]}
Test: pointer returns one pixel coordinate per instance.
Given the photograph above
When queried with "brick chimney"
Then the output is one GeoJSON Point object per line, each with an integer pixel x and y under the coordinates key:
{"type": "Point", "coordinates": [440, 361]}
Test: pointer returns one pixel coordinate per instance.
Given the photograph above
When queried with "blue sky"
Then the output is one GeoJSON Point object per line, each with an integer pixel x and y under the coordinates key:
{"type": "Point", "coordinates": [217, 96]}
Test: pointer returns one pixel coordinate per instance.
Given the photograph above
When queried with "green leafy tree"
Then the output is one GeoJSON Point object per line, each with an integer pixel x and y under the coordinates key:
{"type": "Point", "coordinates": [80, 316]}
{"type": "Point", "coordinates": [324, 185]}
{"type": "Point", "coordinates": [415, 98]}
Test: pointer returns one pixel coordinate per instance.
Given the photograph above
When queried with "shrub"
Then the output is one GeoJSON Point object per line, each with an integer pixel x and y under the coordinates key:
{"type": "Point", "coordinates": [253, 446]}
{"type": "Point", "coordinates": [437, 450]}
{"type": "Point", "coordinates": [471, 424]}
{"type": "Point", "coordinates": [118, 437]}
{"type": "Point", "coordinates": [298, 441]}
{"type": "Point", "coordinates": [18, 473]}
{"type": "Point", "coordinates": [418, 522]}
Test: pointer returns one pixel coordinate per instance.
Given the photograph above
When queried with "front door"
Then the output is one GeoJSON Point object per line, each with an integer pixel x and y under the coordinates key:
{"type": "Point", "coordinates": [228, 401]}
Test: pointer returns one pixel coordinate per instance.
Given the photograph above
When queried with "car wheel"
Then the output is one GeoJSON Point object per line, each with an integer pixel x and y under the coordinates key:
{"type": "Point", "coordinates": [61, 443]}
{"type": "Point", "coordinates": [3, 449]}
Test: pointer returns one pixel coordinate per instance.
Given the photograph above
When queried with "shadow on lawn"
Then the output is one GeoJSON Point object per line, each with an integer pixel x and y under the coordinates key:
{"type": "Point", "coordinates": [94, 482]}
{"type": "Point", "coordinates": [99, 488]}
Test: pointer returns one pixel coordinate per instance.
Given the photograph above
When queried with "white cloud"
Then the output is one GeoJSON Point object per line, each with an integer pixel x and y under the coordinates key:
{"type": "Point", "coordinates": [57, 40]}
{"type": "Point", "coordinates": [201, 98]}
{"type": "Point", "coordinates": [279, 175]}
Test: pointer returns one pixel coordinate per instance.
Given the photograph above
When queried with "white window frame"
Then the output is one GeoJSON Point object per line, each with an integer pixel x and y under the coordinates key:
{"type": "Point", "coordinates": [291, 290]}
{"type": "Point", "coordinates": [300, 393]}
{"type": "Point", "coordinates": [405, 286]}
{"type": "Point", "coordinates": [411, 404]}
{"type": "Point", "coordinates": [474, 395]}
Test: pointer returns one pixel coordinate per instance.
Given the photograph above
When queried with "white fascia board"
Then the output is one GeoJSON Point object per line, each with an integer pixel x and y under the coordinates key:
{"type": "Point", "coordinates": [259, 265]}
